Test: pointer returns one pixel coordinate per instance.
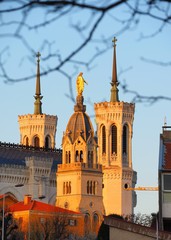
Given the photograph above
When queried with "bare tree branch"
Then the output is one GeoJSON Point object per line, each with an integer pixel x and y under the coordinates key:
{"type": "Point", "coordinates": [52, 12]}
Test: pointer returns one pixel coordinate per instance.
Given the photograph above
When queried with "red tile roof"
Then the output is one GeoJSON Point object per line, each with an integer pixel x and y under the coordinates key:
{"type": "Point", "coordinates": [38, 206]}
{"type": "Point", "coordinates": [1, 196]}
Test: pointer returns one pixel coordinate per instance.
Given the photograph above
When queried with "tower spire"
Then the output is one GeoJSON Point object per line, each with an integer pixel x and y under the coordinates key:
{"type": "Point", "coordinates": [38, 97]}
{"type": "Point", "coordinates": [114, 97]}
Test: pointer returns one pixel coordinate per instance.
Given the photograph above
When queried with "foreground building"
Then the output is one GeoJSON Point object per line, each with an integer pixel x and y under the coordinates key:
{"type": "Point", "coordinates": [38, 220]}
{"type": "Point", "coordinates": [120, 229]}
{"type": "Point", "coordinates": [165, 179]}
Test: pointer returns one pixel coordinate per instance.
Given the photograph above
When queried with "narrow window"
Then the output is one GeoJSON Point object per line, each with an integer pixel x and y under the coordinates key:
{"type": "Point", "coordinates": [64, 188]}
{"type": "Point", "coordinates": [66, 156]}
{"type": "Point", "coordinates": [87, 224]}
{"type": "Point", "coordinates": [92, 157]}
{"type": "Point", "coordinates": [94, 187]}
{"type": "Point", "coordinates": [88, 187]}
{"type": "Point", "coordinates": [27, 141]}
{"type": "Point", "coordinates": [91, 187]}
{"type": "Point", "coordinates": [48, 142]}
{"type": "Point", "coordinates": [95, 223]}
{"type": "Point", "coordinates": [81, 156]}
{"type": "Point", "coordinates": [114, 139]}
{"type": "Point", "coordinates": [69, 157]}
{"type": "Point", "coordinates": [36, 142]}
{"type": "Point", "coordinates": [77, 156]}
{"type": "Point", "coordinates": [69, 187]}
{"type": "Point", "coordinates": [103, 139]}
{"type": "Point", "coordinates": [125, 139]}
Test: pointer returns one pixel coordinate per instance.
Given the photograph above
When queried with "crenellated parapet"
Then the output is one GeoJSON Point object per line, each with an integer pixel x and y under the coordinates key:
{"type": "Point", "coordinates": [33, 117]}
{"type": "Point", "coordinates": [115, 106]}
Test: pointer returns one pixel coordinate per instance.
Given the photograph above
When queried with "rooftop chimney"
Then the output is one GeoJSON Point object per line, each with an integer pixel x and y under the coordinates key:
{"type": "Point", "coordinates": [27, 199]}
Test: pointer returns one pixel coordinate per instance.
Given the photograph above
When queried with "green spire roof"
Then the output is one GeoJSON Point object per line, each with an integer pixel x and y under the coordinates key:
{"type": "Point", "coordinates": [114, 97]}
{"type": "Point", "coordinates": [38, 97]}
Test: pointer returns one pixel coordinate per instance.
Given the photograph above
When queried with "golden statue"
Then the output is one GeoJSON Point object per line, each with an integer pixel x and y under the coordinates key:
{"type": "Point", "coordinates": [80, 84]}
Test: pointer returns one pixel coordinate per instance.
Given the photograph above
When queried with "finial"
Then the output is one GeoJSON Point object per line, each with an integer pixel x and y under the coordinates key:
{"type": "Point", "coordinates": [38, 97]}
{"type": "Point", "coordinates": [114, 41]}
{"type": "Point", "coordinates": [114, 83]}
{"type": "Point", "coordinates": [38, 55]}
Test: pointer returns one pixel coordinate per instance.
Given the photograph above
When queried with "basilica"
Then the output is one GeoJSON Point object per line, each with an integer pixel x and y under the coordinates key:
{"type": "Point", "coordinates": [89, 174]}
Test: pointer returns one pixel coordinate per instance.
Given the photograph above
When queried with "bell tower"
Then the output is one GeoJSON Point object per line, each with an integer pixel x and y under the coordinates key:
{"type": "Point", "coordinates": [38, 129]}
{"type": "Point", "coordinates": [114, 121]}
{"type": "Point", "coordinates": [79, 177]}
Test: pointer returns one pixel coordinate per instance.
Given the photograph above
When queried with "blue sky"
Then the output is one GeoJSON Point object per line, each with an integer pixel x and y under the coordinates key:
{"type": "Point", "coordinates": [145, 78]}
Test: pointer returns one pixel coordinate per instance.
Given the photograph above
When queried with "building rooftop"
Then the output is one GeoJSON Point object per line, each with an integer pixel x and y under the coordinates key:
{"type": "Point", "coordinates": [15, 154]}
{"type": "Point", "coordinates": [34, 205]}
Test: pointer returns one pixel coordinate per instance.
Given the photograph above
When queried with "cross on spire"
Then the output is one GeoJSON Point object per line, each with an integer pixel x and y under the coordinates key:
{"type": "Point", "coordinates": [114, 41]}
{"type": "Point", "coordinates": [38, 56]}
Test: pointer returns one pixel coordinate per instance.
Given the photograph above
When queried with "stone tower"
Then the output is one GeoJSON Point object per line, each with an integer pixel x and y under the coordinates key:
{"type": "Point", "coordinates": [114, 121]}
{"type": "Point", "coordinates": [38, 129]}
{"type": "Point", "coordinates": [79, 177]}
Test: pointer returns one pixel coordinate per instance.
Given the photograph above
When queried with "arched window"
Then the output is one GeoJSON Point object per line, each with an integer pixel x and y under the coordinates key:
{"type": "Point", "coordinates": [47, 142]}
{"type": "Point", "coordinates": [27, 141]}
{"type": "Point", "coordinates": [36, 142]}
{"type": "Point", "coordinates": [95, 223]}
{"type": "Point", "coordinates": [76, 156]}
{"type": "Point", "coordinates": [69, 189]}
{"type": "Point", "coordinates": [81, 156]}
{"type": "Point", "coordinates": [66, 156]}
{"type": "Point", "coordinates": [125, 140]}
{"type": "Point", "coordinates": [87, 223]}
{"type": "Point", "coordinates": [69, 157]}
{"type": "Point", "coordinates": [114, 139]}
{"type": "Point", "coordinates": [103, 139]}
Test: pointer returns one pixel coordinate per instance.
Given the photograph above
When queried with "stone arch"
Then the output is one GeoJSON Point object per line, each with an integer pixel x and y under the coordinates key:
{"type": "Point", "coordinates": [25, 140]}
{"type": "Point", "coordinates": [36, 141]}
{"type": "Point", "coordinates": [87, 223]}
{"type": "Point", "coordinates": [48, 141]}
{"type": "Point", "coordinates": [95, 222]}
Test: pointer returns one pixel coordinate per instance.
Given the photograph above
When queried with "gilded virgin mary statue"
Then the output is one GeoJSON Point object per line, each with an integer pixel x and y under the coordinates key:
{"type": "Point", "coordinates": [80, 83]}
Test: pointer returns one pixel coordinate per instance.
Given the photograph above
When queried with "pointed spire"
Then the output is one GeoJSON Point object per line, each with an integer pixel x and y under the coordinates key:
{"type": "Point", "coordinates": [38, 97]}
{"type": "Point", "coordinates": [114, 97]}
